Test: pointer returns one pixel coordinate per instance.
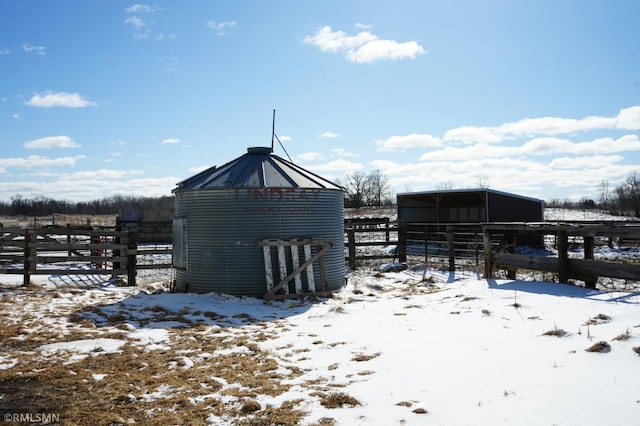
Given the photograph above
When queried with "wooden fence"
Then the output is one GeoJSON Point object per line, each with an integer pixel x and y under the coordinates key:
{"type": "Point", "coordinates": [501, 239]}
{"type": "Point", "coordinates": [74, 251]}
{"type": "Point", "coordinates": [432, 243]}
{"type": "Point", "coordinates": [491, 246]}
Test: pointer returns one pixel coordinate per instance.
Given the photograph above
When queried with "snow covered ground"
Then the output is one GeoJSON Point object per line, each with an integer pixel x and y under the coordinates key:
{"type": "Point", "coordinates": [412, 347]}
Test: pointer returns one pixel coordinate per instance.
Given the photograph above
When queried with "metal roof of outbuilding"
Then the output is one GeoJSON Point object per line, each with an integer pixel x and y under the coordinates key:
{"type": "Point", "coordinates": [258, 168]}
{"type": "Point", "coordinates": [466, 191]}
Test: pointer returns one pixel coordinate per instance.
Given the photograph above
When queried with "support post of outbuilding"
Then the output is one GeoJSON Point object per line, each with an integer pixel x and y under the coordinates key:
{"type": "Point", "coordinates": [488, 254]}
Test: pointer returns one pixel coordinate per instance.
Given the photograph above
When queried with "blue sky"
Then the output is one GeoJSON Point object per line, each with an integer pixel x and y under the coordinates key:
{"type": "Point", "coordinates": [540, 98]}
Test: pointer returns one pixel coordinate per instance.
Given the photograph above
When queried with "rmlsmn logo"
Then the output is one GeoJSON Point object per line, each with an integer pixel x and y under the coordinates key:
{"type": "Point", "coordinates": [31, 418]}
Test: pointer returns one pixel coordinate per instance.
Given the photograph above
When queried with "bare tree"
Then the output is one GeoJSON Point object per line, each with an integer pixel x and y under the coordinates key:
{"type": "Point", "coordinates": [378, 188]}
{"type": "Point", "coordinates": [628, 194]}
{"type": "Point", "coordinates": [605, 193]}
{"type": "Point", "coordinates": [483, 182]}
{"type": "Point", "coordinates": [356, 186]}
{"type": "Point", "coordinates": [632, 192]}
{"type": "Point", "coordinates": [444, 186]}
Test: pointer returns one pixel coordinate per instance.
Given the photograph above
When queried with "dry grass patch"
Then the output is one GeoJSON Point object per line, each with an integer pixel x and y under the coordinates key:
{"type": "Point", "coordinates": [602, 347]}
{"type": "Point", "coordinates": [365, 357]}
{"type": "Point", "coordinates": [285, 415]}
{"type": "Point", "coordinates": [622, 337]}
{"type": "Point", "coordinates": [557, 332]}
{"type": "Point", "coordinates": [338, 400]}
{"type": "Point", "coordinates": [150, 387]}
{"type": "Point", "coordinates": [598, 319]}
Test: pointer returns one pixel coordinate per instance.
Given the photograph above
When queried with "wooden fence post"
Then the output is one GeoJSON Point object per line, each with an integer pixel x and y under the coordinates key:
{"type": "Point", "coordinates": [590, 282]}
{"type": "Point", "coordinates": [563, 257]}
{"type": "Point", "coordinates": [426, 246]}
{"type": "Point", "coordinates": [117, 240]}
{"type": "Point", "coordinates": [512, 245]}
{"type": "Point", "coordinates": [451, 248]}
{"type": "Point", "coordinates": [132, 251]}
{"type": "Point", "coordinates": [69, 239]}
{"type": "Point", "coordinates": [351, 242]}
{"type": "Point", "coordinates": [402, 241]}
{"type": "Point", "coordinates": [29, 255]}
{"type": "Point", "coordinates": [386, 227]}
{"type": "Point", "coordinates": [488, 254]}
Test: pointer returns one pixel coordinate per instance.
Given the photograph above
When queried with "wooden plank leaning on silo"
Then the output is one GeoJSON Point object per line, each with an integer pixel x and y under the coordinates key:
{"type": "Point", "coordinates": [282, 261]}
{"type": "Point", "coordinates": [323, 247]}
{"type": "Point", "coordinates": [268, 270]}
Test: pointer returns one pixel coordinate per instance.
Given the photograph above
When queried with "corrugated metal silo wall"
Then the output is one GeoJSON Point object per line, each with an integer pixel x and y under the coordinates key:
{"type": "Point", "coordinates": [224, 226]}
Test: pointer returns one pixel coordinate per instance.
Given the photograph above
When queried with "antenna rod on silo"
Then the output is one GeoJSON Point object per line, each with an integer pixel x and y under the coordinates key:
{"type": "Point", "coordinates": [273, 129]}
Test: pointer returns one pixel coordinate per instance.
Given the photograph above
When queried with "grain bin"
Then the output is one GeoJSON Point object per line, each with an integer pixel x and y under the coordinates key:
{"type": "Point", "coordinates": [223, 213]}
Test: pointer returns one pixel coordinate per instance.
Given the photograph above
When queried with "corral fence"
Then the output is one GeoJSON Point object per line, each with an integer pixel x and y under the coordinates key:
{"type": "Point", "coordinates": [566, 249]}
{"type": "Point", "coordinates": [438, 245]}
{"type": "Point", "coordinates": [575, 244]}
{"type": "Point", "coordinates": [77, 250]}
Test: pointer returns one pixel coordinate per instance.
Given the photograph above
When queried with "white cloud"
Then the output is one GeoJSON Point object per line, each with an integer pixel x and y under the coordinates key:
{"type": "Point", "coordinates": [384, 49]}
{"type": "Point", "coordinates": [40, 50]}
{"type": "Point", "coordinates": [585, 162]}
{"type": "Point", "coordinates": [39, 161]}
{"type": "Point", "coordinates": [362, 26]}
{"type": "Point", "coordinates": [363, 47]}
{"type": "Point", "coordinates": [222, 28]}
{"type": "Point", "coordinates": [92, 175]}
{"type": "Point", "coordinates": [341, 152]}
{"type": "Point", "coordinates": [140, 8]}
{"type": "Point", "coordinates": [329, 135]}
{"type": "Point", "coordinates": [4, 51]}
{"type": "Point", "coordinates": [546, 146]}
{"type": "Point", "coordinates": [629, 118]}
{"type": "Point", "coordinates": [477, 151]}
{"type": "Point", "coordinates": [337, 166]}
{"type": "Point", "coordinates": [538, 147]}
{"type": "Point", "coordinates": [284, 138]}
{"type": "Point", "coordinates": [170, 141]}
{"type": "Point", "coordinates": [469, 134]}
{"type": "Point", "coordinates": [413, 140]}
{"type": "Point", "coordinates": [141, 26]}
{"type": "Point", "coordinates": [52, 142]}
{"type": "Point", "coordinates": [309, 156]}
{"type": "Point", "coordinates": [135, 22]}
{"type": "Point", "coordinates": [198, 169]}
{"type": "Point", "coordinates": [58, 99]}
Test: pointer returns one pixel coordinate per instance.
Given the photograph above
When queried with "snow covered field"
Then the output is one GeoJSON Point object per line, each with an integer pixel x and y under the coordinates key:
{"type": "Point", "coordinates": [413, 347]}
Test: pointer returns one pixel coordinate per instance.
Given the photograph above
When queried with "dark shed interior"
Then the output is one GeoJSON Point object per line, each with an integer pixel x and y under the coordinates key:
{"type": "Point", "coordinates": [469, 206]}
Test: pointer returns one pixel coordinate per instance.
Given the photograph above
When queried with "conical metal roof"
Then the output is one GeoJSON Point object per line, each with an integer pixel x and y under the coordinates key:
{"type": "Point", "coordinates": [258, 168]}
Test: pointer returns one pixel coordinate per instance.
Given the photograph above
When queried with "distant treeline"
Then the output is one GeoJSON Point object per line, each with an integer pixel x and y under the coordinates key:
{"type": "Point", "coordinates": [149, 208]}
{"type": "Point", "coordinates": [622, 200]}
{"type": "Point", "coordinates": [361, 190]}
